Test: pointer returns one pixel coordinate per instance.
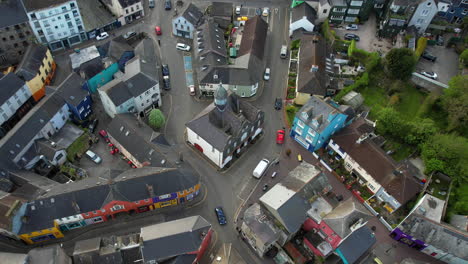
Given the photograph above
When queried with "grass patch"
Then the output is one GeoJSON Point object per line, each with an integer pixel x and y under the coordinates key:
{"type": "Point", "coordinates": [78, 147]}
{"type": "Point", "coordinates": [291, 113]}
{"type": "Point", "coordinates": [400, 151]}
{"type": "Point", "coordinates": [411, 100]}
{"type": "Point", "coordinates": [375, 98]}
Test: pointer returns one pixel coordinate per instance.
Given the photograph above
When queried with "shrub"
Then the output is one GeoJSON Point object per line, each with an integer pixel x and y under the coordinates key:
{"type": "Point", "coordinates": [464, 58]}
{"type": "Point", "coordinates": [394, 99]}
{"type": "Point", "coordinates": [228, 30]}
{"type": "Point", "coordinates": [421, 46]}
{"type": "Point", "coordinates": [295, 44]}
{"type": "Point", "coordinates": [156, 119]}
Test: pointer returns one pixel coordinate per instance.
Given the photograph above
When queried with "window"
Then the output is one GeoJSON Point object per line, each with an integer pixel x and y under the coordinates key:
{"type": "Point", "coordinates": [325, 11]}
{"type": "Point", "coordinates": [212, 149]}
{"type": "Point", "coordinates": [126, 11]}
{"type": "Point", "coordinates": [419, 21]}
{"type": "Point", "coordinates": [64, 8]}
{"type": "Point", "coordinates": [465, 11]}
{"type": "Point", "coordinates": [8, 102]}
{"type": "Point", "coordinates": [309, 138]}
{"type": "Point", "coordinates": [67, 16]}
{"type": "Point", "coordinates": [33, 16]}
{"type": "Point", "coordinates": [300, 123]}
{"type": "Point", "coordinates": [298, 130]}
{"type": "Point", "coordinates": [75, 13]}
{"type": "Point", "coordinates": [72, 5]}
{"type": "Point", "coordinates": [425, 12]}
{"type": "Point", "coordinates": [132, 9]}
{"type": "Point", "coordinates": [37, 25]}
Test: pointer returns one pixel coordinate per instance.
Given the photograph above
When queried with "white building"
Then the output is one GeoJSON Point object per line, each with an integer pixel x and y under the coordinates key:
{"type": "Point", "coordinates": [185, 24]}
{"type": "Point", "coordinates": [323, 10]}
{"type": "Point", "coordinates": [423, 15]}
{"type": "Point", "coordinates": [126, 11]}
{"type": "Point", "coordinates": [15, 93]}
{"type": "Point", "coordinates": [132, 92]}
{"type": "Point", "coordinates": [57, 24]}
{"type": "Point", "coordinates": [302, 17]}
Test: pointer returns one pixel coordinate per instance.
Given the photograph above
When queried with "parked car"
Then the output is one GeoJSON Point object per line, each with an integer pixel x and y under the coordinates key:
{"type": "Point", "coordinates": [429, 57]}
{"type": "Point", "coordinates": [280, 136]}
{"type": "Point", "coordinates": [431, 75]}
{"type": "Point", "coordinates": [129, 34]}
{"type": "Point", "coordinates": [158, 31]}
{"type": "Point", "coordinates": [266, 11]}
{"type": "Point", "coordinates": [299, 157]}
{"type": "Point", "coordinates": [350, 36]}
{"type": "Point", "coordinates": [352, 27]}
{"type": "Point", "coordinates": [168, 5]}
{"type": "Point", "coordinates": [284, 52]}
{"type": "Point", "coordinates": [265, 187]}
{"type": "Point", "coordinates": [92, 125]}
{"type": "Point", "coordinates": [266, 75]}
{"type": "Point", "coordinates": [238, 10]}
{"type": "Point", "coordinates": [102, 35]}
{"type": "Point", "coordinates": [93, 156]}
{"type": "Point", "coordinates": [183, 46]}
{"type": "Point", "coordinates": [165, 70]}
{"type": "Point", "coordinates": [220, 215]}
{"type": "Point", "coordinates": [104, 135]}
{"type": "Point", "coordinates": [192, 90]}
{"type": "Point", "coordinates": [278, 103]}
{"type": "Point", "coordinates": [440, 40]}
{"type": "Point", "coordinates": [274, 174]}
{"type": "Point", "coordinates": [166, 83]}
{"type": "Point", "coordinates": [151, 4]}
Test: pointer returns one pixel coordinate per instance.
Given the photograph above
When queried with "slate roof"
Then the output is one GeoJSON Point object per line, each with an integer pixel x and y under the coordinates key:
{"type": "Point", "coordinates": [303, 10]}
{"type": "Point", "coordinates": [221, 9]}
{"type": "Point", "coordinates": [395, 178]}
{"type": "Point", "coordinates": [139, 140]}
{"type": "Point", "coordinates": [207, 124]}
{"type": "Point", "coordinates": [174, 238]}
{"type": "Point", "coordinates": [211, 39]}
{"type": "Point", "coordinates": [91, 68]}
{"type": "Point", "coordinates": [10, 84]}
{"type": "Point", "coordinates": [347, 213]}
{"type": "Point", "coordinates": [357, 244]}
{"type": "Point", "coordinates": [91, 194]}
{"type": "Point", "coordinates": [115, 48]}
{"type": "Point", "coordinates": [254, 37]}
{"type": "Point", "coordinates": [12, 13]}
{"type": "Point", "coordinates": [71, 89]}
{"type": "Point", "coordinates": [139, 84]}
{"type": "Point", "coordinates": [125, 3]}
{"type": "Point", "coordinates": [192, 14]}
{"type": "Point", "coordinates": [312, 53]}
{"type": "Point", "coordinates": [30, 125]}
{"type": "Point", "coordinates": [318, 109]}
{"type": "Point", "coordinates": [32, 5]}
{"type": "Point", "coordinates": [31, 62]}
{"type": "Point", "coordinates": [119, 93]}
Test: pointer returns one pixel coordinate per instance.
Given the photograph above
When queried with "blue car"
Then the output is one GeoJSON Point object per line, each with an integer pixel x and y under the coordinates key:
{"type": "Point", "coordinates": [220, 214]}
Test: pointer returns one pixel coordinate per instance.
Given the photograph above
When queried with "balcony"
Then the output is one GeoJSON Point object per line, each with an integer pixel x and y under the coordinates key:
{"type": "Point", "coordinates": [357, 3]}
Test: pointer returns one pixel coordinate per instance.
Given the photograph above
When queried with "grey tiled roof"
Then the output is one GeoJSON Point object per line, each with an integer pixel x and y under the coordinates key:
{"type": "Point", "coordinates": [317, 109]}
{"type": "Point", "coordinates": [71, 89]}
{"type": "Point", "coordinates": [139, 84]}
{"type": "Point", "coordinates": [254, 37]}
{"type": "Point", "coordinates": [221, 9]}
{"type": "Point", "coordinates": [192, 14]}
{"type": "Point", "coordinates": [345, 215]}
{"type": "Point", "coordinates": [312, 52]}
{"type": "Point", "coordinates": [12, 13]}
{"type": "Point", "coordinates": [119, 93]}
{"type": "Point", "coordinates": [357, 244]}
{"type": "Point", "coordinates": [91, 194]}
{"type": "Point", "coordinates": [303, 10]}
{"type": "Point", "coordinates": [125, 3]}
{"type": "Point", "coordinates": [211, 39]}
{"type": "Point", "coordinates": [31, 5]}
{"type": "Point", "coordinates": [174, 238]}
{"type": "Point", "coordinates": [31, 62]}
{"type": "Point", "coordinates": [9, 85]}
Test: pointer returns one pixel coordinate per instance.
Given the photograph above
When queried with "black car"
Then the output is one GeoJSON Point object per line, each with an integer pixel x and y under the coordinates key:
{"type": "Point", "coordinates": [350, 36]}
{"type": "Point", "coordinates": [168, 5]}
{"type": "Point", "coordinates": [220, 215]}
{"type": "Point", "coordinates": [429, 57]}
{"type": "Point", "coordinates": [167, 84]}
{"type": "Point", "coordinates": [278, 103]}
{"type": "Point", "coordinates": [165, 70]}
{"type": "Point", "coordinates": [92, 125]}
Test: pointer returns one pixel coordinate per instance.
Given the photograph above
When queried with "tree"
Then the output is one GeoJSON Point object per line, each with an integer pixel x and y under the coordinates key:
{"type": "Point", "coordinates": [455, 102]}
{"type": "Point", "coordinates": [400, 63]}
{"type": "Point", "coordinates": [464, 57]}
{"type": "Point", "coordinates": [390, 123]}
{"type": "Point", "coordinates": [420, 131]}
{"type": "Point", "coordinates": [447, 153]}
{"type": "Point", "coordinates": [156, 119]}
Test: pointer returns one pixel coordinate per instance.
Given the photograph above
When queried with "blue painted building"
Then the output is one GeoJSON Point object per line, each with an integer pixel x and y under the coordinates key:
{"type": "Point", "coordinates": [453, 10]}
{"type": "Point", "coordinates": [76, 94]}
{"type": "Point", "coordinates": [318, 120]}
{"type": "Point", "coordinates": [102, 78]}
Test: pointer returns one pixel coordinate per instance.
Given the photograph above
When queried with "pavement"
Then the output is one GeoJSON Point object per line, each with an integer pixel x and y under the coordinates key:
{"type": "Point", "coordinates": [446, 65]}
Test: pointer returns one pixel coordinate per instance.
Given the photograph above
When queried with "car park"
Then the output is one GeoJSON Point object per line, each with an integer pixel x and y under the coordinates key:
{"type": "Point", "coordinates": [129, 34]}
{"type": "Point", "coordinates": [102, 35]}
{"type": "Point", "coordinates": [280, 136]}
{"type": "Point", "coordinates": [266, 11]}
{"type": "Point", "coordinates": [183, 47]}
{"type": "Point", "coordinates": [278, 103]}
{"type": "Point", "coordinates": [158, 31]}
{"type": "Point", "coordinates": [220, 215]}
{"type": "Point", "coordinates": [93, 156]}
{"type": "Point", "coordinates": [92, 125]}
{"type": "Point", "coordinates": [352, 27]}
{"type": "Point", "coordinates": [168, 5]}
{"type": "Point", "coordinates": [431, 75]}
{"type": "Point", "coordinates": [266, 75]}
{"type": "Point", "coordinates": [429, 57]}
{"type": "Point", "coordinates": [350, 36]}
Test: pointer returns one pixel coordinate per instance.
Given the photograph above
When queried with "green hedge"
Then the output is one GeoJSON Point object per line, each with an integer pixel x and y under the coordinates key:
{"type": "Point", "coordinates": [352, 48]}
{"type": "Point", "coordinates": [329, 34]}
{"type": "Point", "coordinates": [295, 44]}
{"type": "Point", "coordinates": [420, 46]}
{"type": "Point", "coordinates": [361, 82]}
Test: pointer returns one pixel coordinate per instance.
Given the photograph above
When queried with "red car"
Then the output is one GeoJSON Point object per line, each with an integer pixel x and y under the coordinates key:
{"type": "Point", "coordinates": [158, 30]}
{"type": "Point", "coordinates": [103, 134]}
{"type": "Point", "coordinates": [280, 136]}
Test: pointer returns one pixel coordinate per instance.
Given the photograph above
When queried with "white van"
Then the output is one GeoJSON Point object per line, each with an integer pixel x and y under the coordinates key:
{"type": "Point", "coordinates": [93, 156]}
{"type": "Point", "coordinates": [151, 3]}
{"type": "Point", "coordinates": [284, 52]}
{"type": "Point", "coordinates": [261, 168]}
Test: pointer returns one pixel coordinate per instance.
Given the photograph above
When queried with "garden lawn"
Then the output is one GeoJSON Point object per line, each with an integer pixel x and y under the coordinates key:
{"type": "Point", "coordinates": [375, 98]}
{"type": "Point", "coordinates": [80, 145]}
{"type": "Point", "coordinates": [291, 113]}
{"type": "Point", "coordinates": [411, 100]}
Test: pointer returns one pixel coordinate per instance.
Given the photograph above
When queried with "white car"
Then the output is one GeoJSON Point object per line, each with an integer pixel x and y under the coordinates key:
{"type": "Point", "coordinates": [431, 75]}
{"type": "Point", "coordinates": [238, 10]}
{"type": "Point", "coordinates": [266, 11]}
{"type": "Point", "coordinates": [102, 36]}
{"type": "Point", "coordinates": [183, 46]}
{"type": "Point", "coordinates": [266, 76]}
{"type": "Point", "coordinates": [352, 27]}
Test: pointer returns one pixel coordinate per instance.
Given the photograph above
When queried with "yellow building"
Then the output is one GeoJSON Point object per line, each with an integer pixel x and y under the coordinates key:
{"type": "Point", "coordinates": [37, 69]}
{"type": "Point", "coordinates": [42, 235]}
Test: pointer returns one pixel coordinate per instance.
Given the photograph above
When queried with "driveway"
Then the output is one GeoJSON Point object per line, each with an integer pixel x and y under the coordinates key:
{"type": "Point", "coordinates": [446, 65]}
{"type": "Point", "coordinates": [367, 33]}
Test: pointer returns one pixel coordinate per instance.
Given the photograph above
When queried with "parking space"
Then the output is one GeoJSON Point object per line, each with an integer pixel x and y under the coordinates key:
{"type": "Point", "coordinates": [446, 65]}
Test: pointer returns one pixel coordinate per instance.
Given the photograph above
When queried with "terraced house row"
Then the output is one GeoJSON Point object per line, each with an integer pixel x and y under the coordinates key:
{"type": "Point", "coordinates": [94, 200]}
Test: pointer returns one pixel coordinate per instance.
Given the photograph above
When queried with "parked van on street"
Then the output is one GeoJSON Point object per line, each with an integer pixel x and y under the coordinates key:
{"type": "Point", "coordinates": [284, 52]}
{"type": "Point", "coordinates": [261, 168]}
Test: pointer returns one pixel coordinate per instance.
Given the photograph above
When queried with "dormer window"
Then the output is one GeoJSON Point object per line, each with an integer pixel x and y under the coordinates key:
{"type": "Point", "coordinates": [315, 123]}
{"type": "Point", "coordinates": [305, 115]}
